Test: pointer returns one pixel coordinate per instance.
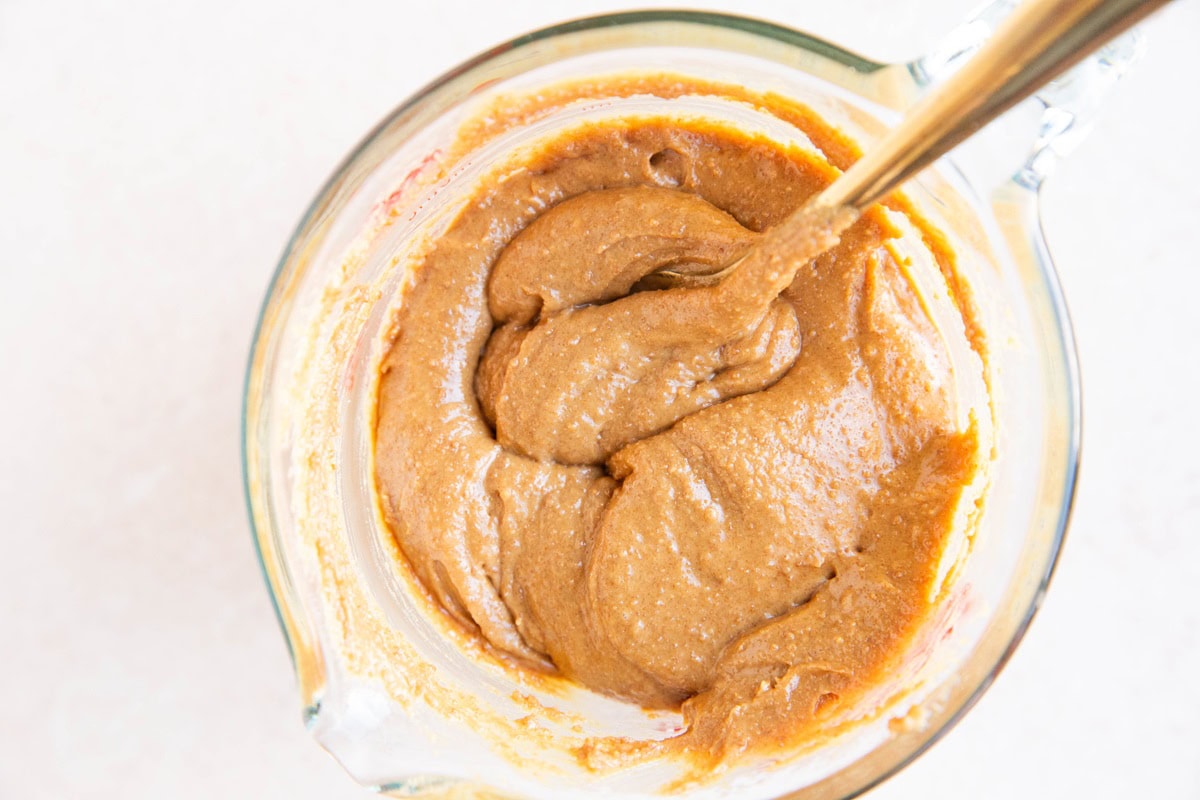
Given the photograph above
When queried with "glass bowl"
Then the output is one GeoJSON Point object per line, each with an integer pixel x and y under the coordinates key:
{"type": "Point", "coordinates": [450, 722]}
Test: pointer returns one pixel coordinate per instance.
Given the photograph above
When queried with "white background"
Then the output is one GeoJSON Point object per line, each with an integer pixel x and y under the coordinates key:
{"type": "Point", "coordinates": [154, 157]}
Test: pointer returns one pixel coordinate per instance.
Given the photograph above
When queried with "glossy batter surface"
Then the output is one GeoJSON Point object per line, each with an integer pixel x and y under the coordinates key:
{"type": "Point", "coordinates": [730, 497]}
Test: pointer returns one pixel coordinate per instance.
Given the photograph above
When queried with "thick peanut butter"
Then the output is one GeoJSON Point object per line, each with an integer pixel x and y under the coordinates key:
{"type": "Point", "coordinates": [730, 498]}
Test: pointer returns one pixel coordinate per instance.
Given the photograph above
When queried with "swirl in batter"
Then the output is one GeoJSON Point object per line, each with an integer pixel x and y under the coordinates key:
{"type": "Point", "coordinates": [730, 498]}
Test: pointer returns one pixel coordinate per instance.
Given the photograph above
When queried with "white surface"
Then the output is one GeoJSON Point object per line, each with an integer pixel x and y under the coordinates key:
{"type": "Point", "coordinates": [153, 160]}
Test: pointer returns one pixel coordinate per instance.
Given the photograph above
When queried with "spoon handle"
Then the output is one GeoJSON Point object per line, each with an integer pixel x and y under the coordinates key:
{"type": "Point", "coordinates": [1040, 40]}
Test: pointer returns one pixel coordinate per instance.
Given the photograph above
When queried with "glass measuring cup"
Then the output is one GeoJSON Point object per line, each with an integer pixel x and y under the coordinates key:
{"type": "Point", "coordinates": [308, 402]}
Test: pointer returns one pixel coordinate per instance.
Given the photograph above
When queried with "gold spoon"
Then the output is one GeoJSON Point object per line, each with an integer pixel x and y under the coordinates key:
{"type": "Point", "coordinates": [1039, 40]}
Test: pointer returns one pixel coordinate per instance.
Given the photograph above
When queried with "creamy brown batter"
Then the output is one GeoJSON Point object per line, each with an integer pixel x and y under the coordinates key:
{"type": "Point", "coordinates": [732, 497]}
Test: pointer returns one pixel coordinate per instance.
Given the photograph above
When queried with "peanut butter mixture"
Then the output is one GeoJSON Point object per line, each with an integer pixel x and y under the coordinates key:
{"type": "Point", "coordinates": [729, 496]}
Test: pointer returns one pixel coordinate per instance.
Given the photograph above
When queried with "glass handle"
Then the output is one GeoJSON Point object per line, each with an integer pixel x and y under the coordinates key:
{"type": "Point", "coordinates": [960, 44]}
{"type": "Point", "coordinates": [1070, 104]}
